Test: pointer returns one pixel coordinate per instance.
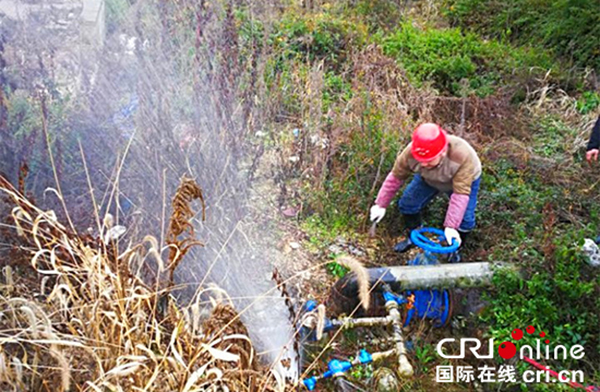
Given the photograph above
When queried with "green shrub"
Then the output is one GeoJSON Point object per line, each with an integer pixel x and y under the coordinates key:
{"type": "Point", "coordinates": [336, 89]}
{"type": "Point", "coordinates": [570, 28]}
{"type": "Point", "coordinates": [318, 37]}
{"type": "Point", "coordinates": [116, 12]}
{"type": "Point", "coordinates": [447, 56]}
{"type": "Point", "coordinates": [336, 270]}
{"type": "Point", "coordinates": [23, 115]}
{"type": "Point", "coordinates": [519, 210]}
{"type": "Point", "coordinates": [588, 102]}
{"type": "Point", "coordinates": [379, 14]}
{"type": "Point", "coordinates": [557, 298]}
{"type": "Point", "coordinates": [552, 137]}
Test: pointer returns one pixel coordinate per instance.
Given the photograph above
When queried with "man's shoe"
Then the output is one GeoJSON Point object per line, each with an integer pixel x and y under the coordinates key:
{"type": "Point", "coordinates": [454, 257]}
{"type": "Point", "coordinates": [404, 245]}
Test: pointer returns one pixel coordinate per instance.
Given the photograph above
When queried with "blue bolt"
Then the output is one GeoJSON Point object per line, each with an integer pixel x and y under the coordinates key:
{"type": "Point", "coordinates": [364, 356]}
{"type": "Point", "coordinates": [310, 305]}
{"type": "Point", "coordinates": [310, 383]}
{"type": "Point", "coordinates": [336, 366]}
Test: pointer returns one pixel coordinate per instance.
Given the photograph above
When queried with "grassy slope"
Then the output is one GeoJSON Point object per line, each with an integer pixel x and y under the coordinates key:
{"type": "Point", "coordinates": [354, 82]}
{"type": "Point", "coordinates": [356, 89]}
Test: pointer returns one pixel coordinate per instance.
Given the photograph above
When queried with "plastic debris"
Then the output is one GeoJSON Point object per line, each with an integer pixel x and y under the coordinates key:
{"type": "Point", "coordinates": [114, 233]}
{"type": "Point", "coordinates": [592, 251]}
{"type": "Point", "coordinates": [290, 212]}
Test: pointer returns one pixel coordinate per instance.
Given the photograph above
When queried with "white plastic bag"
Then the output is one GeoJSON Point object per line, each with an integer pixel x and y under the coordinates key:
{"type": "Point", "coordinates": [592, 251]}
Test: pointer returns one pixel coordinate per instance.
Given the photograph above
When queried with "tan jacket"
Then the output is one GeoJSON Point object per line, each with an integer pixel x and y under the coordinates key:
{"type": "Point", "coordinates": [455, 173]}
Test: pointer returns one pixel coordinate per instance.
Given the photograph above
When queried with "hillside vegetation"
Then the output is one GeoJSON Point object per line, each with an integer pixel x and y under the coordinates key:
{"type": "Point", "coordinates": [355, 86]}
{"type": "Point", "coordinates": [321, 96]}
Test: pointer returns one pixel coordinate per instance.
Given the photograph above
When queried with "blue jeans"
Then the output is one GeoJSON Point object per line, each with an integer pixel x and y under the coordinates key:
{"type": "Point", "coordinates": [418, 194]}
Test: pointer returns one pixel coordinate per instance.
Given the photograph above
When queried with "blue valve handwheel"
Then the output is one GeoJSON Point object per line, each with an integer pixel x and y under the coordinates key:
{"type": "Point", "coordinates": [419, 238]}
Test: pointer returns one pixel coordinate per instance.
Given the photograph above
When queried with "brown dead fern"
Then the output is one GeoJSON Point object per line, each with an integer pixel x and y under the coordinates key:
{"type": "Point", "coordinates": [180, 235]}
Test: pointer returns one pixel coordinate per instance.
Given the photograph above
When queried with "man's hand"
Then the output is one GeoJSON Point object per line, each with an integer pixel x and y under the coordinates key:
{"type": "Point", "coordinates": [452, 234]}
{"type": "Point", "coordinates": [592, 155]}
{"type": "Point", "coordinates": [377, 213]}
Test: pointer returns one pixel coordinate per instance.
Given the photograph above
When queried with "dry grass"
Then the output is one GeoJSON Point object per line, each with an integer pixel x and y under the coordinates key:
{"type": "Point", "coordinates": [90, 323]}
{"type": "Point", "coordinates": [362, 277]}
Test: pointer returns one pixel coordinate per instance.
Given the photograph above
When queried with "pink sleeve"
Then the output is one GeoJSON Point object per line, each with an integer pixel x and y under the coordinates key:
{"type": "Point", "coordinates": [388, 190]}
{"type": "Point", "coordinates": [456, 210]}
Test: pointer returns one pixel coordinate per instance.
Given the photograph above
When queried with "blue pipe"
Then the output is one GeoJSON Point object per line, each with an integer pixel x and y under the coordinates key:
{"type": "Point", "coordinates": [337, 368]}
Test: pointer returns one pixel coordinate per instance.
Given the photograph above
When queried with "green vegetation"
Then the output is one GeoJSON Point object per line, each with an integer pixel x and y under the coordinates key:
{"type": "Point", "coordinates": [318, 37]}
{"type": "Point", "coordinates": [588, 102]}
{"type": "Point", "coordinates": [569, 28]}
{"type": "Point", "coordinates": [352, 181]}
{"type": "Point", "coordinates": [447, 56]}
{"type": "Point", "coordinates": [425, 355]}
{"type": "Point", "coordinates": [339, 89]}
{"type": "Point", "coordinates": [537, 201]}
{"type": "Point", "coordinates": [378, 14]}
{"type": "Point", "coordinates": [115, 13]}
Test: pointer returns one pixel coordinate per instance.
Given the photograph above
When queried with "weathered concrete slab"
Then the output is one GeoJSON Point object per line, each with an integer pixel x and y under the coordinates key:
{"type": "Point", "coordinates": [88, 15]}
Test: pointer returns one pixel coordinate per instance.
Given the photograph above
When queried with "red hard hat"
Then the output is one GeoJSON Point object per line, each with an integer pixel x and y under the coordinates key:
{"type": "Point", "coordinates": [428, 142]}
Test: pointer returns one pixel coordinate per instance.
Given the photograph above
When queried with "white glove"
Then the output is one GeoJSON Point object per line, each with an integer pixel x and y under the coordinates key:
{"type": "Point", "coordinates": [452, 234]}
{"type": "Point", "coordinates": [377, 213]}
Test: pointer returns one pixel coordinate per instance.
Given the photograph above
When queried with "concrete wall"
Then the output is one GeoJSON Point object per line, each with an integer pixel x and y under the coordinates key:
{"type": "Point", "coordinates": [92, 19]}
{"type": "Point", "coordinates": [75, 29]}
{"type": "Point", "coordinates": [93, 22]}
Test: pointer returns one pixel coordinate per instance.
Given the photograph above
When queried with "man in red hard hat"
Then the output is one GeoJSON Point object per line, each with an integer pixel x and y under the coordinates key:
{"type": "Point", "coordinates": [440, 163]}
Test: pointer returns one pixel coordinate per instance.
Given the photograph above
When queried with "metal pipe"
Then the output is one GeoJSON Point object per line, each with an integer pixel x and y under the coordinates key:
{"type": "Point", "coordinates": [349, 323]}
{"type": "Point", "coordinates": [337, 368]}
{"type": "Point", "coordinates": [344, 295]}
{"type": "Point", "coordinates": [405, 369]}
